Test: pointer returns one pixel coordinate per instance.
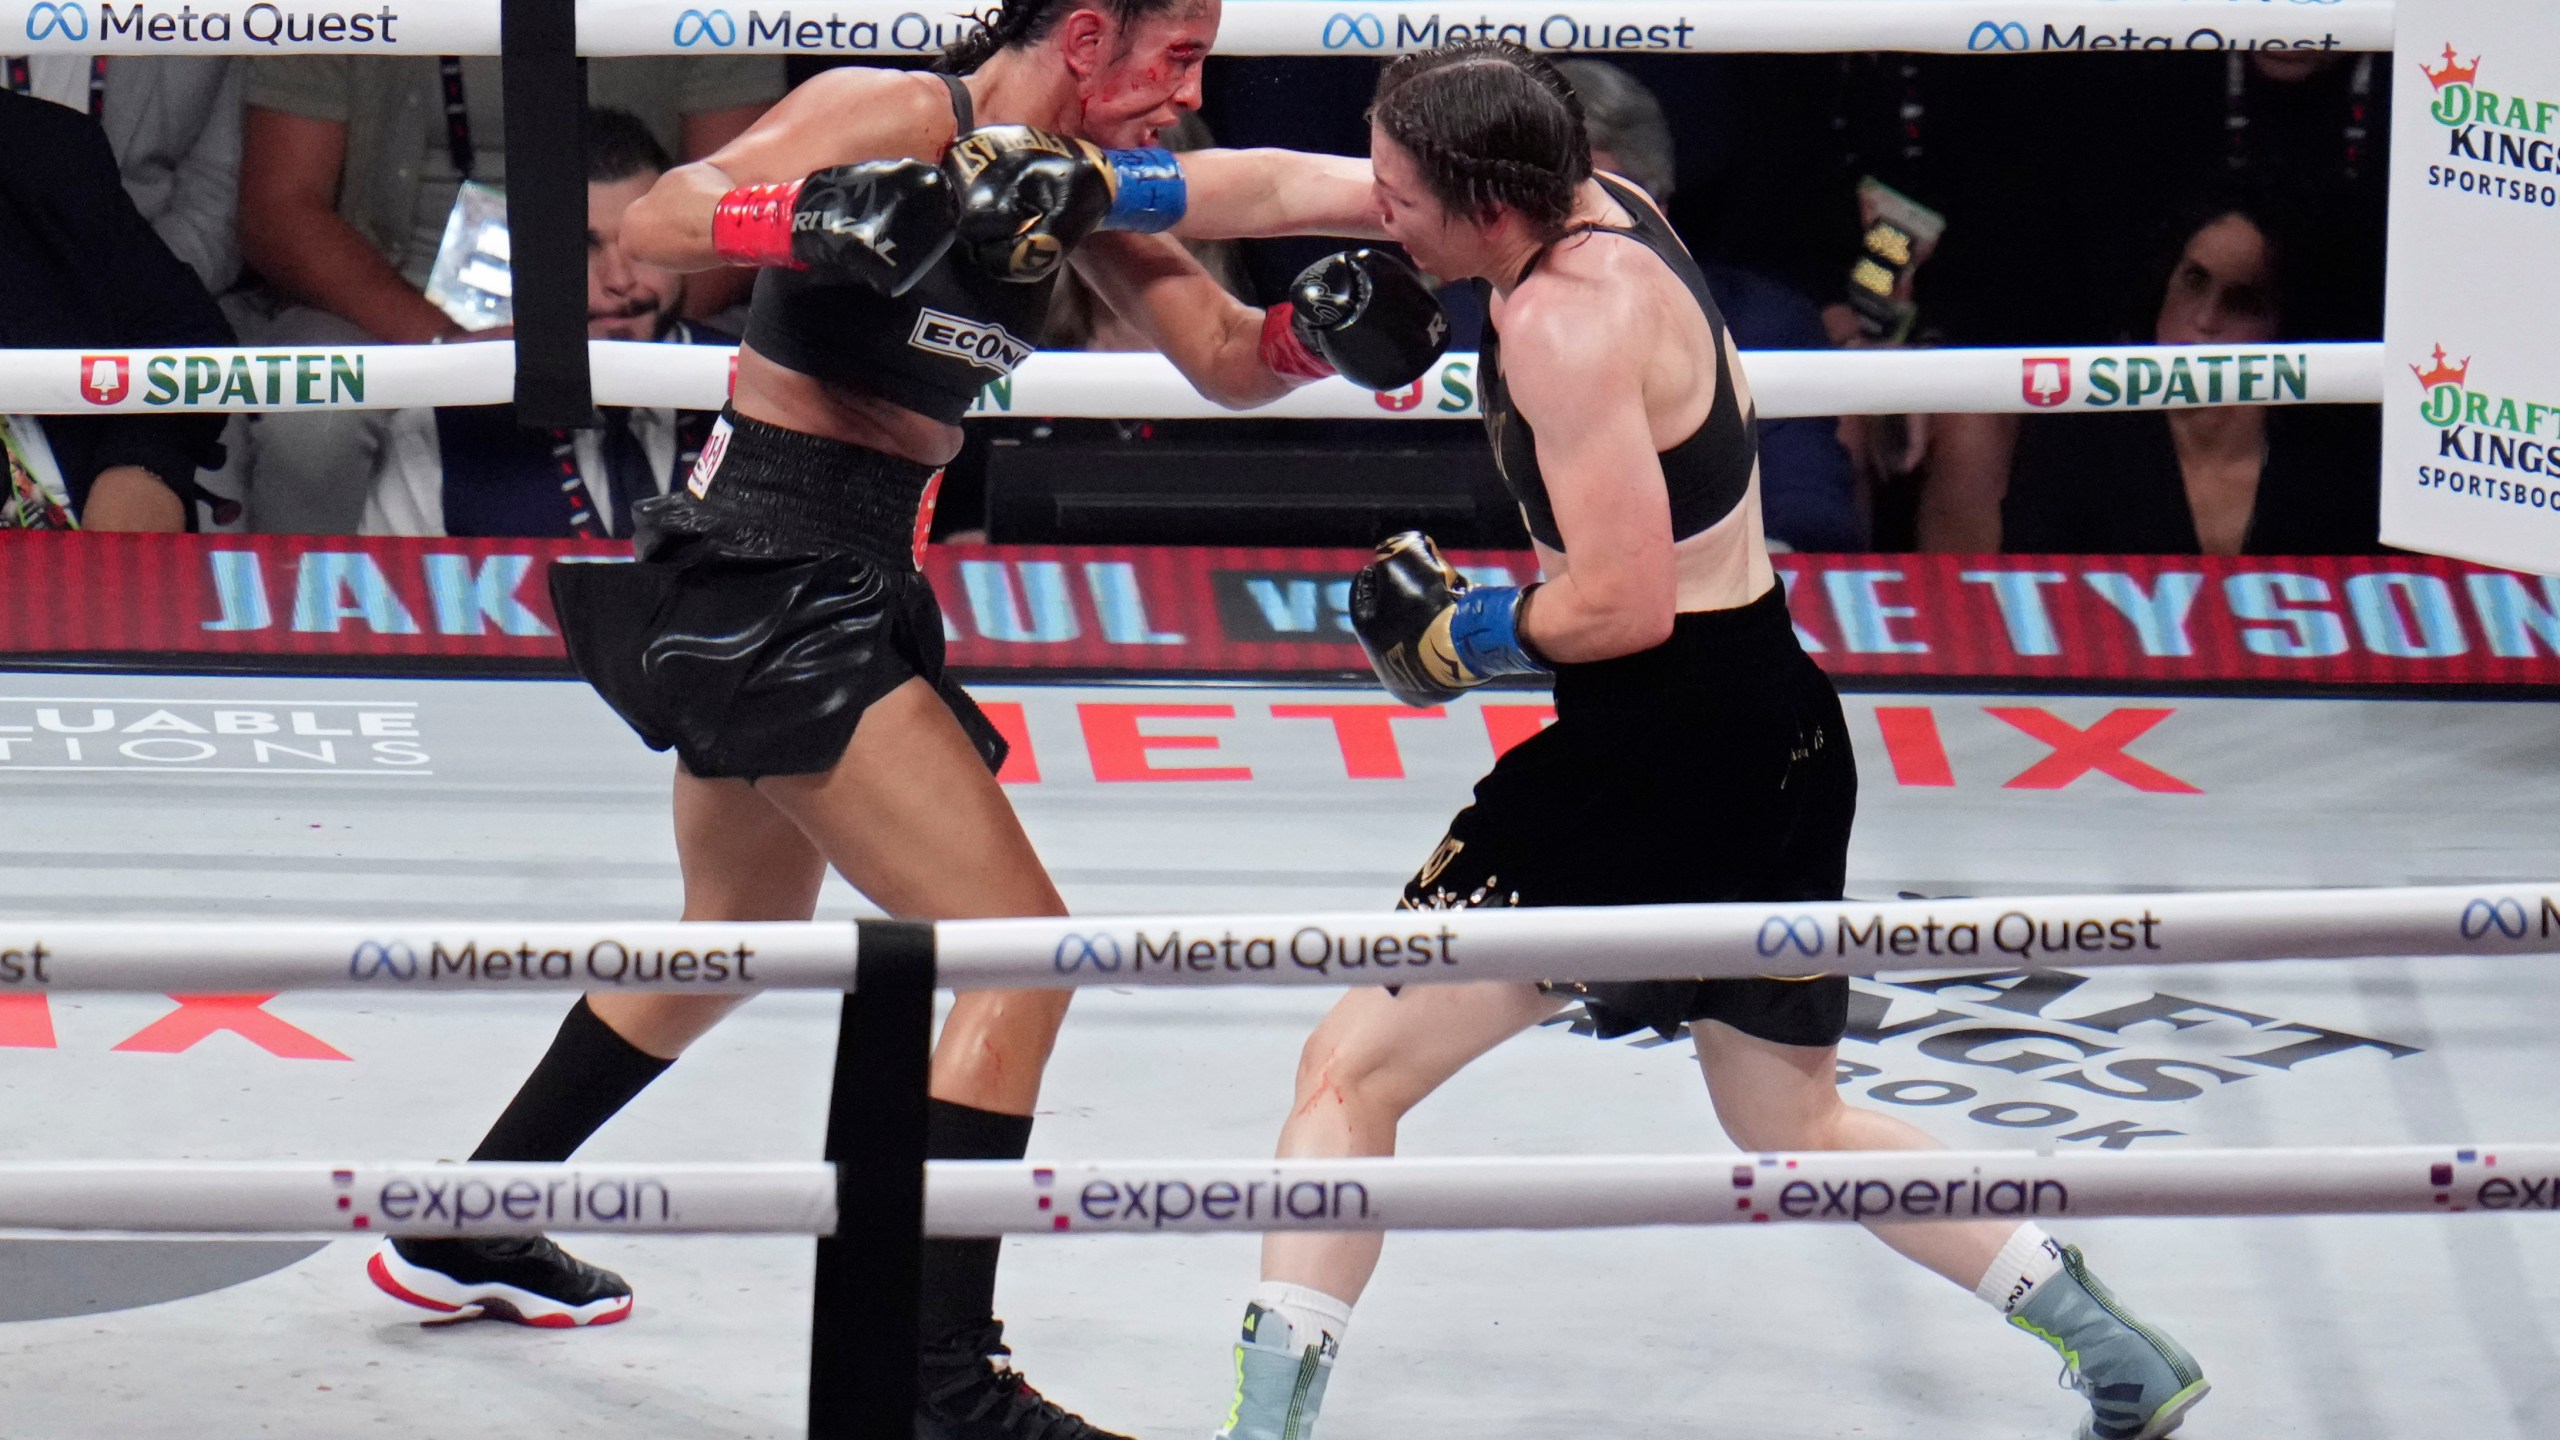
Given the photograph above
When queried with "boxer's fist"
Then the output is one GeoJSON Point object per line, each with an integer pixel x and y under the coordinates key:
{"type": "Point", "coordinates": [883, 223]}
{"type": "Point", "coordinates": [1429, 634]}
{"type": "Point", "coordinates": [1370, 318]}
{"type": "Point", "coordinates": [1025, 198]}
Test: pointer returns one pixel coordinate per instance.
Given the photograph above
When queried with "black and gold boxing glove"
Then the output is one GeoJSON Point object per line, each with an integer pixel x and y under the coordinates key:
{"type": "Point", "coordinates": [1027, 196]}
{"type": "Point", "coordinates": [1429, 634]}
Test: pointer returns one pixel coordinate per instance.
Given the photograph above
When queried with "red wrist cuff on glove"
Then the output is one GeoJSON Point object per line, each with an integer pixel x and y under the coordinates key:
{"type": "Point", "coordinates": [1285, 353]}
{"type": "Point", "coordinates": [752, 225]}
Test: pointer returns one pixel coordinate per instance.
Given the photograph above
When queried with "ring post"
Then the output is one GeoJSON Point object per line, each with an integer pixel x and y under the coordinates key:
{"type": "Point", "coordinates": [863, 1330]}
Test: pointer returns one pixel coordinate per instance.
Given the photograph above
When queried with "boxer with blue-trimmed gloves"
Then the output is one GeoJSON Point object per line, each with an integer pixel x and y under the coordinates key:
{"type": "Point", "coordinates": [1431, 636]}
{"type": "Point", "coordinates": [1027, 196]}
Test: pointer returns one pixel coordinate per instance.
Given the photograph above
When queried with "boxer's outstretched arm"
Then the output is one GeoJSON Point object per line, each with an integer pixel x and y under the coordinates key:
{"type": "Point", "coordinates": [1213, 338]}
{"type": "Point", "coordinates": [839, 117]}
{"type": "Point", "coordinates": [1251, 194]}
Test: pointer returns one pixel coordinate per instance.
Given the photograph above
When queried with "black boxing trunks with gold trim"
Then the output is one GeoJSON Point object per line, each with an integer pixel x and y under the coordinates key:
{"type": "Point", "coordinates": [774, 599]}
{"type": "Point", "coordinates": [1715, 766]}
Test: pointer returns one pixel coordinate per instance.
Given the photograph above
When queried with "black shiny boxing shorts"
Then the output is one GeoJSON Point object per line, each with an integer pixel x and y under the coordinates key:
{"type": "Point", "coordinates": [773, 599]}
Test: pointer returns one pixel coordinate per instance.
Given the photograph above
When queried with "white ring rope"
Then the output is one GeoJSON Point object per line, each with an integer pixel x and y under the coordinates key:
{"type": "Point", "coordinates": [853, 28]}
{"type": "Point", "coordinates": [1035, 1197]}
{"type": "Point", "coordinates": [1068, 384]}
{"type": "Point", "coordinates": [1625, 942]}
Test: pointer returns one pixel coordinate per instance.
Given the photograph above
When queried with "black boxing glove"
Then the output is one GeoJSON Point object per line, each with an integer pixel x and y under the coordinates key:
{"type": "Point", "coordinates": [882, 222]}
{"type": "Point", "coordinates": [1361, 314]}
{"type": "Point", "coordinates": [1027, 196]}
{"type": "Point", "coordinates": [1430, 635]}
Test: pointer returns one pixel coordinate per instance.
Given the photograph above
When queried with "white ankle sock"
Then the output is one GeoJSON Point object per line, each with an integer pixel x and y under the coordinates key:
{"type": "Point", "coordinates": [2029, 1259]}
{"type": "Point", "coordinates": [1314, 1317]}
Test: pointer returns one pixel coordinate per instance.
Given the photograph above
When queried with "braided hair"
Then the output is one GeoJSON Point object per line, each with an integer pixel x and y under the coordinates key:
{"type": "Point", "coordinates": [1028, 22]}
{"type": "Point", "coordinates": [1490, 123]}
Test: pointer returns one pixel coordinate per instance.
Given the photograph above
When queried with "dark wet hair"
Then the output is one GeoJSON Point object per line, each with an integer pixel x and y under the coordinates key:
{"type": "Point", "coordinates": [1028, 22]}
{"type": "Point", "coordinates": [1490, 123]}
{"type": "Point", "coordinates": [620, 145]}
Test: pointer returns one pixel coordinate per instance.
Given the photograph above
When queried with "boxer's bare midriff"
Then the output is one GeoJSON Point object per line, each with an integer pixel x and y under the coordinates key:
{"type": "Point", "coordinates": [779, 395]}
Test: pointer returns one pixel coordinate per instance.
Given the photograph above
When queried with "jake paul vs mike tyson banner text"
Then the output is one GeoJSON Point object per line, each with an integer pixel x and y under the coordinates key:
{"type": "Point", "coordinates": [2471, 400]}
{"type": "Point", "coordinates": [456, 606]}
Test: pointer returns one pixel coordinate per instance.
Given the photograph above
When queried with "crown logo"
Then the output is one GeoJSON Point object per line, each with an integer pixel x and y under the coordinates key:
{"type": "Point", "coordinates": [2440, 373]}
{"type": "Point", "coordinates": [2454, 72]}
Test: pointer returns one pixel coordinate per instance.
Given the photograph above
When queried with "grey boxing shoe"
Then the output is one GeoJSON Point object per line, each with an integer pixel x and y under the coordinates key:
{"type": "Point", "coordinates": [1279, 1383]}
{"type": "Point", "coordinates": [2138, 1381]}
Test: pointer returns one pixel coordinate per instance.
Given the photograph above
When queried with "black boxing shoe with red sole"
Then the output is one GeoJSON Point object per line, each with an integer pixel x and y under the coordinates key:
{"type": "Point", "coordinates": [525, 1280]}
{"type": "Point", "coordinates": [968, 1390]}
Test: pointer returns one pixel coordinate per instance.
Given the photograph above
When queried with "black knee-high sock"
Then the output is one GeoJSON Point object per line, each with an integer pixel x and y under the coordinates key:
{"type": "Point", "coordinates": [960, 1275]}
{"type": "Point", "coordinates": [589, 1073]}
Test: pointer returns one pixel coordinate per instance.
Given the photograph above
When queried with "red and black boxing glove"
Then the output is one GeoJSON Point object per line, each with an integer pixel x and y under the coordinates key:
{"type": "Point", "coordinates": [884, 223]}
{"type": "Point", "coordinates": [1361, 314]}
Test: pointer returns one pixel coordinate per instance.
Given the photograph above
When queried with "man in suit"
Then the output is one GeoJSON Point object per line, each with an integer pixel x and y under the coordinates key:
{"type": "Point", "coordinates": [471, 470]}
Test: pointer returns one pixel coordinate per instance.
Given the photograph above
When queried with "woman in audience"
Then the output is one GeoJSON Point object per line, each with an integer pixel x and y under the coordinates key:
{"type": "Point", "coordinates": [2164, 470]}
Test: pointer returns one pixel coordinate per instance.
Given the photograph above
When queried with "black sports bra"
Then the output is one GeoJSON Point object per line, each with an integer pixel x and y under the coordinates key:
{"type": "Point", "coordinates": [930, 350]}
{"type": "Point", "coordinates": [1708, 473]}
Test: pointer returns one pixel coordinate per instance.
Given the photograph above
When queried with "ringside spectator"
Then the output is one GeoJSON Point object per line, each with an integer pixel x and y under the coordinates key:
{"type": "Point", "coordinates": [86, 272]}
{"type": "Point", "coordinates": [349, 172]}
{"type": "Point", "coordinates": [1808, 493]}
{"type": "Point", "coordinates": [174, 124]}
{"type": "Point", "coordinates": [2186, 479]}
{"type": "Point", "coordinates": [471, 470]}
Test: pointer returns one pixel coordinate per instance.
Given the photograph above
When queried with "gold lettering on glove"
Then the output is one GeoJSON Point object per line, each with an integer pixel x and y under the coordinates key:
{"type": "Point", "coordinates": [1438, 655]}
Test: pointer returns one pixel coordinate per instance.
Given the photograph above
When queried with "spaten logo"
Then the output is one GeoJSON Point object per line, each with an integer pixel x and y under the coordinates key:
{"type": "Point", "coordinates": [1074, 952]}
{"type": "Point", "coordinates": [105, 379]}
{"type": "Point", "coordinates": [375, 960]}
{"type": "Point", "coordinates": [1346, 30]}
{"type": "Point", "coordinates": [1801, 933]}
{"type": "Point", "coordinates": [2045, 380]}
{"type": "Point", "coordinates": [706, 27]}
{"type": "Point", "coordinates": [48, 21]}
{"type": "Point", "coordinates": [2506, 916]}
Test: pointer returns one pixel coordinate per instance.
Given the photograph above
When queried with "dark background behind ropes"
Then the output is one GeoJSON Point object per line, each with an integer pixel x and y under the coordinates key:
{"type": "Point", "coordinates": [2057, 176]}
{"type": "Point", "coordinates": [2070, 188]}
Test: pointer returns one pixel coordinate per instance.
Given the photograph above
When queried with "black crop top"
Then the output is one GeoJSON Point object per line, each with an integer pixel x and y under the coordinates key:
{"type": "Point", "coordinates": [1708, 472]}
{"type": "Point", "coordinates": [930, 350]}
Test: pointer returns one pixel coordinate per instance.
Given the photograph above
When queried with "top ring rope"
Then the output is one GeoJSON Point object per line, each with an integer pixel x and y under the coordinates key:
{"type": "Point", "coordinates": [854, 28]}
{"type": "Point", "coordinates": [1784, 383]}
{"type": "Point", "coordinates": [1632, 942]}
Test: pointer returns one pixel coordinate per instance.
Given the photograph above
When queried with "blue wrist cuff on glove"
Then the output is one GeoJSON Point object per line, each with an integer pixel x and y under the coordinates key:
{"type": "Point", "coordinates": [1151, 196]}
{"type": "Point", "coordinates": [1485, 626]}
